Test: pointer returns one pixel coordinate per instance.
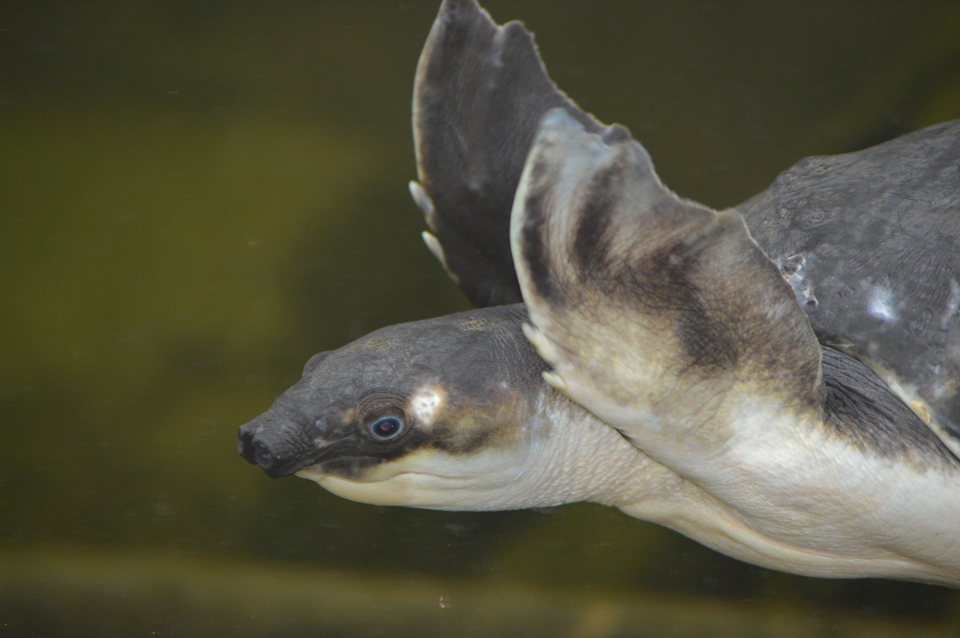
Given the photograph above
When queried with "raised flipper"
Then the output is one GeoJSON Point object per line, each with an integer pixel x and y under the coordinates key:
{"type": "Point", "coordinates": [662, 317]}
{"type": "Point", "coordinates": [480, 92]}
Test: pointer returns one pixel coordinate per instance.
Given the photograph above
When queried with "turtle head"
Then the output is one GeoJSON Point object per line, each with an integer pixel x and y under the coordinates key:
{"type": "Point", "coordinates": [449, 413]}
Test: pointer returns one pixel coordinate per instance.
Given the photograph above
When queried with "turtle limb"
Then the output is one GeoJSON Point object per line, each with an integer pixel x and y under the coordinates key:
{"type": "Point", "coordinates": [662, 317]}
{"type": "Point", "coordinates": [479, 94]}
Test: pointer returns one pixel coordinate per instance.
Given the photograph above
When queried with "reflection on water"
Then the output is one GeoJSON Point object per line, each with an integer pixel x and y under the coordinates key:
{"type": "Point", "coordinates": [196, 197]}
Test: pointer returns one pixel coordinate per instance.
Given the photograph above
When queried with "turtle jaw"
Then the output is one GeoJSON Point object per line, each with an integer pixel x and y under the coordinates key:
{"type": "Point", "coordinates": [385, 492]}
{"type": "Point", "coordinates": [429, 479]}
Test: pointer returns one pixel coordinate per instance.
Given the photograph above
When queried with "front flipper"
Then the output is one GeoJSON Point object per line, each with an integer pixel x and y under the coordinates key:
{"type": "Point", "coordinates": [479, 95]}
{"type": "Point", "coordinates": [662, 317]}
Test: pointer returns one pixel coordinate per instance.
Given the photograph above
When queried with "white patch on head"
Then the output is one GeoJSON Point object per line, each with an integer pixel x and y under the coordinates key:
{"type": "Point", "coordinates": [882, 305]}
{"type": "Point", "coordinates": [426, 403]}
{"type": "Point", "coordinates": [953, 304]}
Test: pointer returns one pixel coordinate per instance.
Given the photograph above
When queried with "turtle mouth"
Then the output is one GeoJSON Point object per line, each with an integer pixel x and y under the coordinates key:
{"type": "Point", "coordinates": [355, 468]}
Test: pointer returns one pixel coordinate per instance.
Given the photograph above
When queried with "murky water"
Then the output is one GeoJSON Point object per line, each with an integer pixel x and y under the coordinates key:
{"type": "Point", "coordinates": [197, 196]}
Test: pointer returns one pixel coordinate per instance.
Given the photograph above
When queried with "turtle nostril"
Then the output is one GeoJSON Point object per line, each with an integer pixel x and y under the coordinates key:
{"type": "Point", "coordinates": [263, 456]}
{"type": "Point", "coordinates": [245, 444]}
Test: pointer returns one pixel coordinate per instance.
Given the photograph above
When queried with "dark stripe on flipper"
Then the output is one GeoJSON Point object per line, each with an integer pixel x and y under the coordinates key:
{"type": "Point", "coordinates": [662, 285]}
{"type": "Point", "coordinates": [535, 250]}
{"type": "Point", "coordinates": [707, 344]}
{"type": "Point", "coordinates": [592, 243]}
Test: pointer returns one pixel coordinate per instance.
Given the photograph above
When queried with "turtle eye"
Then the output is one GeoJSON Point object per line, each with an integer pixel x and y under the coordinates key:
{"type": "Point", "coordinates": [386, 428]}
{"type": "Point", "coordinates": [380, 416]}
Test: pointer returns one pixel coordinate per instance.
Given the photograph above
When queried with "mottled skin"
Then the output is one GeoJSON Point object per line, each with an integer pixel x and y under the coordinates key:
{"type": "Point", "coordinates": [702, 398]}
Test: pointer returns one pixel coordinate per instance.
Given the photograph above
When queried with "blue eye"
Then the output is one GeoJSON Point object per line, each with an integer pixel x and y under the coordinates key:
{"type": "Point", "coordinates": [387, 427]}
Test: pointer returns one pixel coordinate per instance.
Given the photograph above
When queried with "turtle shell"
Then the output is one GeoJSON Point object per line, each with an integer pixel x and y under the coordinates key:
{"type": "Point", "coordinates": [870, 242]}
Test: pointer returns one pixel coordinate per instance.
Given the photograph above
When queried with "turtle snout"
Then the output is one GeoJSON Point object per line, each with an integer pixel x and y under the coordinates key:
{"type": "Point", "coordinates": [253, 449]}
{"type": "Point", "coordinates": [245, 445]}
{"type": "Point", "coordinates": [274, 447]}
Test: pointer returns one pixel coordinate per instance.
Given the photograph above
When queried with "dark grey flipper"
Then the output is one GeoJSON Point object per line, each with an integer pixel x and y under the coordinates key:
{"type": "Point", "coordinates": [479, 95]}
{"type": "Point", "coordinates": [870, 242]}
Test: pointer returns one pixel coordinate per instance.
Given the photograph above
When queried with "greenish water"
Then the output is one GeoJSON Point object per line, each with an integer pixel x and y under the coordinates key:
{"type": "Point", "coordinates": [195, 197]}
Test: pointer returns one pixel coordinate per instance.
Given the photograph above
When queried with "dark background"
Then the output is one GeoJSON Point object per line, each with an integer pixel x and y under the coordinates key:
{"type": "Point", "coordinates": [196, 196]}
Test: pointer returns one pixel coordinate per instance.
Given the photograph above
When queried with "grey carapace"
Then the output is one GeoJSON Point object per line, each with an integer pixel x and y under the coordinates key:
{"type": "Point", "coordinates": [777, 381]}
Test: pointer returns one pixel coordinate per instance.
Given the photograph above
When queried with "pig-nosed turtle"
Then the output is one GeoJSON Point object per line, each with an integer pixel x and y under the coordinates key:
{"type": "Point", "coordinates": [777, 381]}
